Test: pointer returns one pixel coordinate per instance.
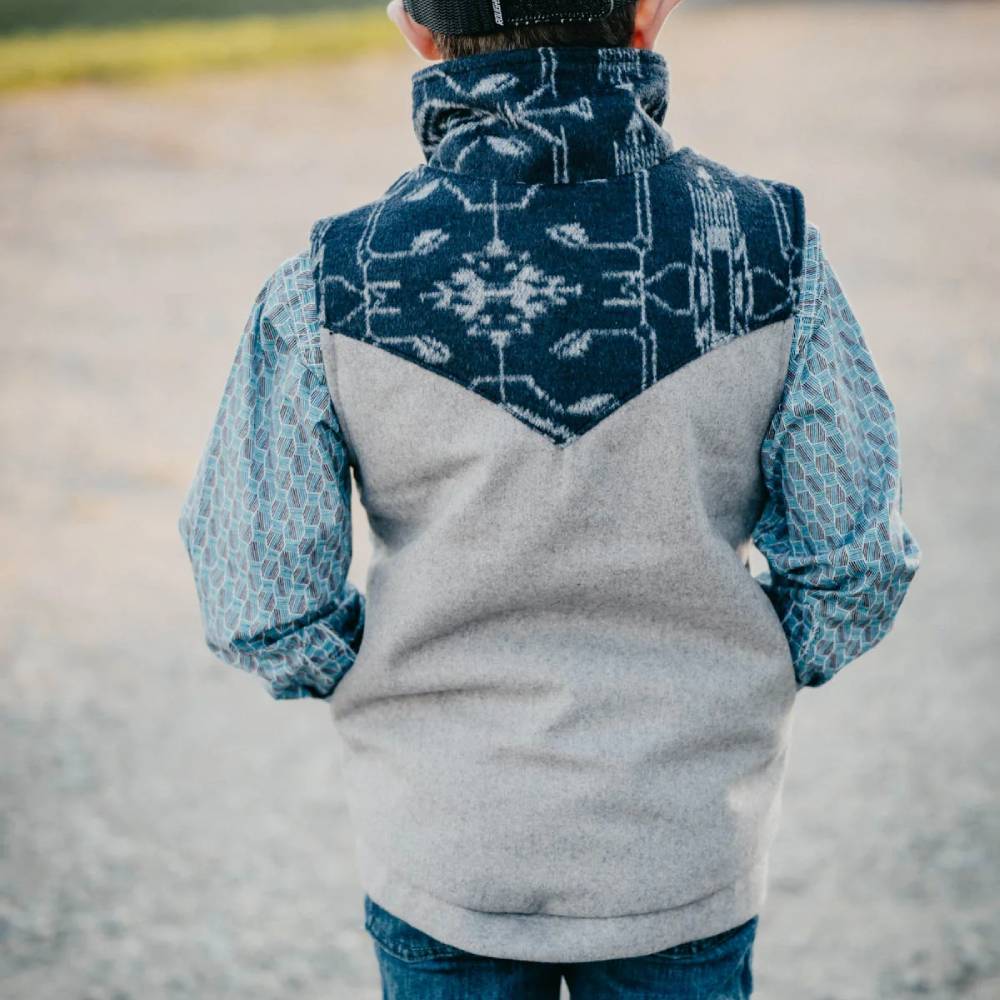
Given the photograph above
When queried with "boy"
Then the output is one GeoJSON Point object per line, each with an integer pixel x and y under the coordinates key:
{"type": "Point", "coordinates": [576, 370]}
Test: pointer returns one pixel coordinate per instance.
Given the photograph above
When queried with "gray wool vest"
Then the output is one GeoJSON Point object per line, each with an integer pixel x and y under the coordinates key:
{"type": "Point", "coordinates": [554, 351]}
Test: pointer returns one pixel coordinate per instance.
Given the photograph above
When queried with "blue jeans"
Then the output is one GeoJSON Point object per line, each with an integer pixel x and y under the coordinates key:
{"type": "Point", "coordinates": [416, 966]}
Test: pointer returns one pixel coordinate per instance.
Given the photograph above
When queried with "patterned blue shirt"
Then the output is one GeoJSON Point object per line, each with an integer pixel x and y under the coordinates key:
{"type": "Point", "coordinates": [841, 558]}
{"type": "Point", "coordinates": [267, 520]}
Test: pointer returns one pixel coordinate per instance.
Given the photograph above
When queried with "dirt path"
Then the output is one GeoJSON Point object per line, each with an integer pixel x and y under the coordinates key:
{"type": "Point", "coordinates": [168, 831]}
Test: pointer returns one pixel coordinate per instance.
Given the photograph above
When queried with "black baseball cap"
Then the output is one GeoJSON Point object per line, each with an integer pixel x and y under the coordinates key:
{"type": "Point", "coordinates": [483, 17]}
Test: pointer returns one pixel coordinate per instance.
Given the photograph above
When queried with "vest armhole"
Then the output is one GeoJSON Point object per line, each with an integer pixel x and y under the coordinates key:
{"type": "Point", "coordinates": [327, 346]}
{"type": "Point", "coordinates": [799, 236]}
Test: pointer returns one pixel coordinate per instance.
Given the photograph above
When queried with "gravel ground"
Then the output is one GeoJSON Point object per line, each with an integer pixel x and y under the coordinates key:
{"type": "Point", "coordinates": [169, 831]}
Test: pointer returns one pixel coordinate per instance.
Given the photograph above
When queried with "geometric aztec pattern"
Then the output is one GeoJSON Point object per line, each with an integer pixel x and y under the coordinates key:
{"type": "Point", "coordinates": [555, 255]}
{"type": "Point", "coordinates": [267, 519]}
{"type": "Point", "coordinates": [544, 116]}
{"type": "Point", "coordinates": [832, 530]}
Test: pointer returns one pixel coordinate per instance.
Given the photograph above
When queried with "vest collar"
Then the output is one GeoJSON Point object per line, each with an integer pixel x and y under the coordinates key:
{"type": "Point", "coordinates": [549, 115]}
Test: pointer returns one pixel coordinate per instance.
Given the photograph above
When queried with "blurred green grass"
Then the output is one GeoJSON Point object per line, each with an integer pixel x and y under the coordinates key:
{"type": "Point", "coordinates": [171, 47]}
{"type": "Point", "coordinates": [49, 15]}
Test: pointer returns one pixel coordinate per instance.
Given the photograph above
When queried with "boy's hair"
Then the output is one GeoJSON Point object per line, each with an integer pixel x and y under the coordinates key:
{"type": "Point", "coordinates": [616, 29]}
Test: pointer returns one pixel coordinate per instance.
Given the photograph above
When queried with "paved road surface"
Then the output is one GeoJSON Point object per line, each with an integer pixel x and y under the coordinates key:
{"type": "Point", "coordinates": [168, 831]}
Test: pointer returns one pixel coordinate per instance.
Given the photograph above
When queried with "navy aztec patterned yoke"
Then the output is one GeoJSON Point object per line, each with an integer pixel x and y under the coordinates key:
{"type": "Point", "coordinates": [558, 299]}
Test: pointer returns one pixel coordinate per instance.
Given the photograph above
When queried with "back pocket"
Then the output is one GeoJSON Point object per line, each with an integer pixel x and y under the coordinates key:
{"type": "Point", "coordinates": [403, 940]}
{"type": "Point", "coordinates": [706, 949]}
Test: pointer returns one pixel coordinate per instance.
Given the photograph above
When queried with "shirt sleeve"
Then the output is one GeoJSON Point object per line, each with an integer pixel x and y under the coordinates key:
{"type": "Point", "coordinates": [266, 521]}
{"type": "Point", "coordinates": [840, 557]}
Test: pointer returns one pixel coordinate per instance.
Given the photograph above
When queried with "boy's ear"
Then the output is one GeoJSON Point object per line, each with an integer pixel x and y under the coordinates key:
{"type": "Point", "coordinates": [417, 36]}
{"type": "Point", "coordinates": [649, 18]}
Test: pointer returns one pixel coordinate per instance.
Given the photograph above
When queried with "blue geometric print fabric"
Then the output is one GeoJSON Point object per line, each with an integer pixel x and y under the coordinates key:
{"type": "Point", "coordinates": [266, 521]}
{"type": "Point", "coordinates": [841, 559]}
{"type": "Point", "coordinates": [544, 116]}
{"type": "Point", "coordinates": [506, 265]}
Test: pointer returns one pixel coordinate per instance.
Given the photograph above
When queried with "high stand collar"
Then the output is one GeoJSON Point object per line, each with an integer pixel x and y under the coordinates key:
{"type": "Point", "coordinates": [544, 115]}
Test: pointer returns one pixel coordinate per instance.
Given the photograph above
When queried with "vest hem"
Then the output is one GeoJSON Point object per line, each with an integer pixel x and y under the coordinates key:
{"type": "Point", "coordinates": [543, 937]}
